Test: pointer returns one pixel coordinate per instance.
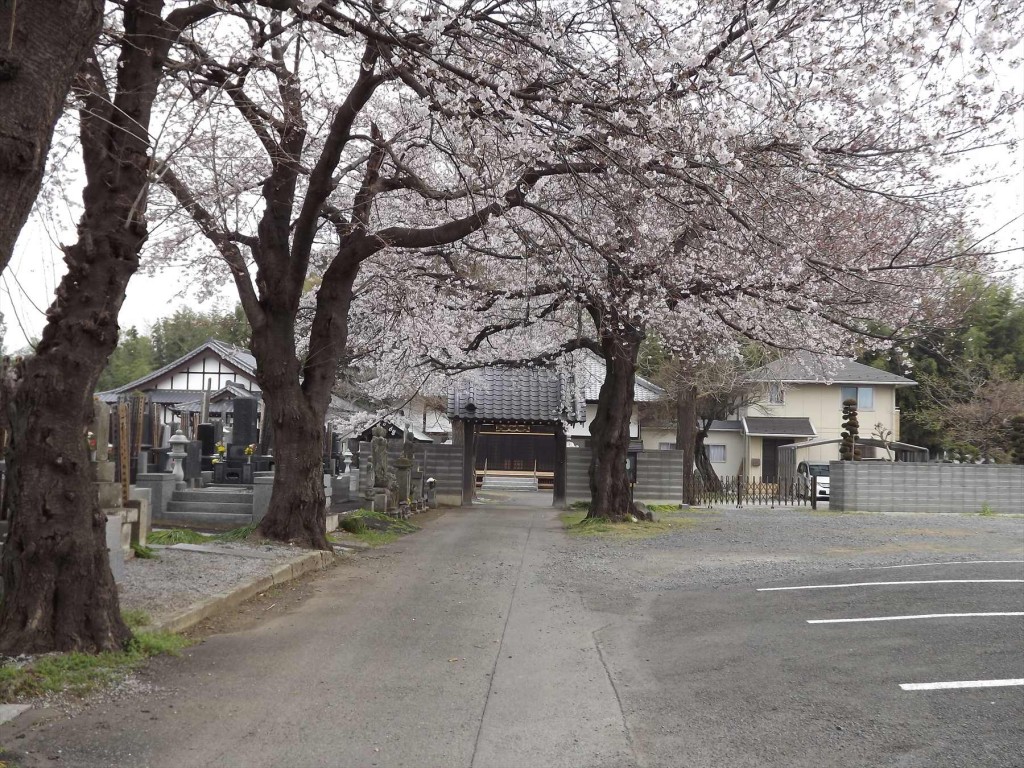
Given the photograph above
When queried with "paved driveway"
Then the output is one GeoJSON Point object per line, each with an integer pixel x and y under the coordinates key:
{"type": "Point", "coordinates": [740, 677]}
{"type": "Point", "coordinates": [491, 639]}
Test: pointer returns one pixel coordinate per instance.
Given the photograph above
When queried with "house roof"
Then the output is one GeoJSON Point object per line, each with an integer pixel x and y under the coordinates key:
{"type": "Point", "coordinates": [241, 359]}
{"type": "Point", "coordinates": [222, 401]}
{"type": "Point", "coordinates": [806, 368]}
{"type": "Point", "coordinates": [513, 394]}
{"type": "Point", "coordinates": [726, 426]}
{"type": "Point", "coordinates": [778, 426]}
{"type": "Point", "coordinates": [590, 372]}
{"type": "Point", "coordinates": [162, 396]}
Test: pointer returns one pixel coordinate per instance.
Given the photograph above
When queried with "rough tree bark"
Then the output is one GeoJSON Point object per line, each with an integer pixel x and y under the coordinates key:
{"type": "Point", "coordinates": [42, 46]}
{"type": "Point", "coordinates": [686, 438]}
{"type": "Point", "coordinates": [610, 496]}
{"type": "Point", "coordinates": [297, 411]}
{"type": "Point", "coordinates": [59, 591]}
{"type": "Point", "coordinates": [705, 471]}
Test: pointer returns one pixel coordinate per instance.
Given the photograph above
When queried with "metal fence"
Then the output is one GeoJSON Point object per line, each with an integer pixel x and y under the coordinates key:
{"type": "Point", "coordinates": [752, 491]}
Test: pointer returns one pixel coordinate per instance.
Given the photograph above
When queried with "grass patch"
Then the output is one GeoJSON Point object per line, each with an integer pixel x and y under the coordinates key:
{"type": "Point", "coordinates": [236, 534]}
{"type": "Point", "coordinates": [188, 536]}
{"type": "Point", "coordinates": [177, 536]}
{"type": "Point", "coordinates": [576, 523]}
{"type": "Point", "coordinates": [664, 508]}
{"type": "Point", "coordinates": [143, 553]}
{"type": "Point", "coordinates": [373, 528]}
{"type": "Point", "coordinates": [78, 674]}
{"type": "Point", "coordinates": [135, 619]}
{"type": "Point", "coordinates": [986, 510]}
{"type": "Point", "coordinates": [353, 524]}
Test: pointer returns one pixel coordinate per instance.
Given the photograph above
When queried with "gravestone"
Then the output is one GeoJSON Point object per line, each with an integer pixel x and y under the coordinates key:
{"type": "Point", "coordinates": [244, 431]}
{"type": "Point", "coordinates": [207, 436]}
{"type": "Point", "coordinates": [193, 463]}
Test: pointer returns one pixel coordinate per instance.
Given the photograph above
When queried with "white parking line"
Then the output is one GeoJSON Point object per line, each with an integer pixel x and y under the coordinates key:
{"type": "Point", "coordinates": [960, 684]}
{"type": "Point", "coordinates": [921, 616]}
{"type": "Point", "coordinates": [924, 565]}
{"type": "Point", "coordinates": [895, 583]}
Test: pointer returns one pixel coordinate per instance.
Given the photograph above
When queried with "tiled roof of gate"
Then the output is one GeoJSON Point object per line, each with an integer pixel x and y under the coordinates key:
{"type": "Point", "coordinates": [779, 426]}
{"type": "Point", "coordinates": [513, 394]}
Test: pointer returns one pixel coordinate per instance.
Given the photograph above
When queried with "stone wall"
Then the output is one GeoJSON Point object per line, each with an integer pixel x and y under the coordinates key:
{"type": "Point", "coordinates": [918, 487]}
{"type": "Point", "coordinates": [659, 477]}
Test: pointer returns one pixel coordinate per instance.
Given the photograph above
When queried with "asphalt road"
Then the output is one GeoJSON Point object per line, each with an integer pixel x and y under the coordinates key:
{"type": "Point", "coordinates": [742, 679]}
{"type": "Point", "coordinates": [491, 639]}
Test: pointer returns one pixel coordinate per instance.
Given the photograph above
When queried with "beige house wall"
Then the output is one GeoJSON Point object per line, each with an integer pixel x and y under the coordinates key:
{"type": "Point", "coordinates": [823, 405]}
{"type": "Point", "coordinates": [733, 442]}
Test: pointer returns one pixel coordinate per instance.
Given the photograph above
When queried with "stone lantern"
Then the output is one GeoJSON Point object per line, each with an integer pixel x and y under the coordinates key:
{"type": "Point", "coordinates": [177, 455]}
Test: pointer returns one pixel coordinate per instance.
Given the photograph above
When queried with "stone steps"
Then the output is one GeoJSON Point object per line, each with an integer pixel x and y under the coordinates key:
{"type": "Point", "coordinates": [214, 495]}
{"type": "Point", "coordinates": [508, 483]}
{"type": "Point", "coordinates": [209, 521]}
{"type": "Point", "coordinates": [210, 508]}
{"type": "Point", "coordinates": [213, 507]}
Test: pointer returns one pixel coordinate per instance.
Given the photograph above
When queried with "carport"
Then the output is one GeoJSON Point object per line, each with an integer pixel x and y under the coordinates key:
{"type": "Point", "coordinates": [900, 451]}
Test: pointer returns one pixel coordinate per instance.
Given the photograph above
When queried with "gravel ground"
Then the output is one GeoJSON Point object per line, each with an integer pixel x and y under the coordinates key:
{"type": "Point", "coordinates": [741, 546]}
{"type": "Point", "coordinates": [178, 578]}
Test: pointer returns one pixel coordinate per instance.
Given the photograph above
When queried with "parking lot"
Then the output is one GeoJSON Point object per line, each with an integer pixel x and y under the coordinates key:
{"type": "Point", "coordinates": [910, 664]}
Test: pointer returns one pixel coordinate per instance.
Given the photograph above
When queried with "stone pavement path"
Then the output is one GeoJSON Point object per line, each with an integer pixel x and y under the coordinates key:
{"type": "Point", "coordinates": [445, 649]}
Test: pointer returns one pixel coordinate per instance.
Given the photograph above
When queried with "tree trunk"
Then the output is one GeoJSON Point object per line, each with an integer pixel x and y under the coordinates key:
{"type": "Point", "coordinates": [49, 42]}
{"type": "Point", "coordinates": [686, 439]}
{"type": "Point", "coordinates": [59, 591]}
{"type": "Point", "coordinates": [610, 496]}
{"type": "Point", "coordinates": [706, 474]}
{"type": "Point", "coordinates": [298, 512]}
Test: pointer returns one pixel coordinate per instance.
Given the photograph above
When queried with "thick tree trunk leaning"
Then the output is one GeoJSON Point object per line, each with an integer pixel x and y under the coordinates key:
{"type": "Point", "coordinates": [706, 474]}
{"type": "Point", "coordinates": [59, 591]}
{"type": "Point", "coordinates": [610, 496]}
{"type": "Point", "coordinates": [39, 58]}
{"type": "Point", "coordinates": [686, 439]}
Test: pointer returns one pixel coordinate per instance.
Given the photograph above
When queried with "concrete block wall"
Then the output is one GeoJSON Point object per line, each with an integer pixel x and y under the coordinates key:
{"type": "Point", "coordinates": [577, 474]}
{"type": "Point", "coordinates": [659, 476]}
{"type": "Point", "coordinates": [444, 464]}
{"type": "Point", "coordinates": [920, 487]}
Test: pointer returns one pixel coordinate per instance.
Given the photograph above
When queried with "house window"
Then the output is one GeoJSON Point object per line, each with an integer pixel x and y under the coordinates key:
{"type": "Point", "coordinates": [865, 397]}
{"type": "Point", "coordinates": [666, 446]}
{"type": "Point", "coordinates": [776, 394]}
{"type": "Point", "coordinates": [715, 453]}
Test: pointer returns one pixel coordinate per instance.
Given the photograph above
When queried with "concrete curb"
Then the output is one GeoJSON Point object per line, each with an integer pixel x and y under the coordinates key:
{"type": "Point", "coordinates": [225, 601]}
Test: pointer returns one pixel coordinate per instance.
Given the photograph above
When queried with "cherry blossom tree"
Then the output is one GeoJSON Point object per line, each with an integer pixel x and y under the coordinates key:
{"type": "Point", "coordinates": [59, 593]}
{"type": "Point", "coordinates": [42, 45]}
{"type": "Point", "coordinates": [340, 135]}
{"type": "Point", "coordinates": [791, 190]}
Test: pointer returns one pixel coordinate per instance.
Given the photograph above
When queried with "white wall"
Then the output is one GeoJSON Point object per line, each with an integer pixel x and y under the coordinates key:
{"type": "Point", "coordinates": [208, 367]}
